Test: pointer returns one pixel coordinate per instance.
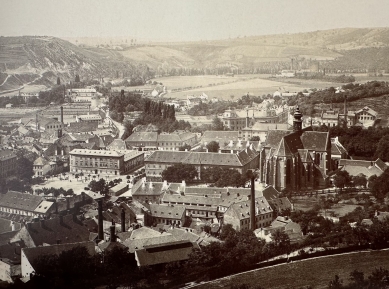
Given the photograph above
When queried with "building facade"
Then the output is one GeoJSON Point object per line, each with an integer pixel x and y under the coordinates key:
{"type": "Point", "coordinates": [8, 161]}
{"type": "Point", "coordinates": [105, 162]}
{"type": "Point", "coordinates": [158, 161]}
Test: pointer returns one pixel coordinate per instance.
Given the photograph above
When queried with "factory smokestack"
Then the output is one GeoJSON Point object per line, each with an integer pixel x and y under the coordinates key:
{"type": "Point", "coordinates": [123, 220]}
{"type": "Point", "coordinates": [100, 220]}
{"type": "Point", "coordinates": [252, 203]}
{"type": "Point", "coordinates": [61, 114]}
{"type": "Point", "coordinates": [112, 231]}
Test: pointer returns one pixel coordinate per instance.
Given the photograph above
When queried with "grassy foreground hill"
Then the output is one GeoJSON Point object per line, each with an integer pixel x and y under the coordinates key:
{"type": "Point", "coordinates": [316, 272]}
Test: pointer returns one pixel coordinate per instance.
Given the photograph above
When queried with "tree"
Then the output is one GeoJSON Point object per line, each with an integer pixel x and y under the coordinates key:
{"type": "Point", "coordinates": [185, 147]}
{"type": "Point", "coordinates": [382, 150]}
{"type": "Point", "coordinates": [342, 179]}
{"type": "Point", "coordinates": [280, 239]}
{"type": "Point", "coordinates": [379, 186]}
{"type": "Point", "coordinates": [217, 124]}
{"type": "Point", "coordinates": [180, 172]}
{"type": "Point", "coordinates": [360, 180]}
{"type": "Point", "coordinates": [24, 168]}
{"type": "Point", "coordinates": [255, 138]}
{"type": "Point", "coordinates": [213, 147]}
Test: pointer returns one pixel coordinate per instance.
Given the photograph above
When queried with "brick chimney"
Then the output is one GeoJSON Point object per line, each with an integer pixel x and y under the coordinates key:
{"type": "Point", "coordinates": [252, 204]}
{"type": "Point", "coordinates": [100, 220]}
{"type": "Point", "coordinates": [123, 220]}
{"type": "Point", "coordinates": [112, 231]}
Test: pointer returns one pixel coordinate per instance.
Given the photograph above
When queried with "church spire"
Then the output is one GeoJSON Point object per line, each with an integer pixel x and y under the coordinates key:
{"type": "Point", "coordinates": [297, 122]}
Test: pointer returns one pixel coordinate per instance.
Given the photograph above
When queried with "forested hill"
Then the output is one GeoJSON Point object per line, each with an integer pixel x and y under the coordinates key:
{"type": "Point", "coordinates": [40, 60]}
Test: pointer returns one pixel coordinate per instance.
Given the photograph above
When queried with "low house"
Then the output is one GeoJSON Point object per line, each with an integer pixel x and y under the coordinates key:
{"type": "Point", "coordinates": [367, 168]}
{"type": "Point", "coordinates": [19, 203]}
{"type": "Point", "coordinates": [29, 256]}
{"type": "Point", "coordinates": [238, 214]}
{"type": "Point", "coordinates": [169, 215]}
{"type": "Point", "coordinates": [284, 224]}
{"type": "Point", "coordinates": [164, 253]}
{"type": "Point", "coordinates": [63, 229]}
{"type": "Point", "coordinates": [10, 260]}
{"type": "Point", "coordinates": [144, 191]}
{"type": "Point", "coordinates": [41, 167]}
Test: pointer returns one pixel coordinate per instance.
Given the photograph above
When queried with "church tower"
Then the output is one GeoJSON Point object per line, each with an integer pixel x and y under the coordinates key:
{"type": "Point", "coordinates": [297, 121]}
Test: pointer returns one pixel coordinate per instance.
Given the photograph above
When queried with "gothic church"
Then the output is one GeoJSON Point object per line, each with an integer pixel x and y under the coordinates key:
{"type": "Point", "coordinates": [298, 160]}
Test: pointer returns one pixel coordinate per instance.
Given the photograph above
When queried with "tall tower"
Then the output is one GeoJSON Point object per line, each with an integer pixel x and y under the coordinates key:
{"type": "Point", "coordinates": [297, 121]}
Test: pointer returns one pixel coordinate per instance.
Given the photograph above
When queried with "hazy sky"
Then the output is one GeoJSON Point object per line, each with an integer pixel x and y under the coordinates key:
{"type": "Point", "coordinates": [185, 19]}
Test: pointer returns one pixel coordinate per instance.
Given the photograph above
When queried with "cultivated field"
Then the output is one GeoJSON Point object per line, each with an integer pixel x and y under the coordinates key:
{"type": "Point", "coordinates": [315, 272]}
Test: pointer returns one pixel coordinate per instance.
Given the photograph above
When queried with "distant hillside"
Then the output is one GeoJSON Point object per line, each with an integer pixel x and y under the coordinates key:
{"type": "Point", "coordinates": [40, 60]}
{"type": "Point", "coordinates": [263, 54]}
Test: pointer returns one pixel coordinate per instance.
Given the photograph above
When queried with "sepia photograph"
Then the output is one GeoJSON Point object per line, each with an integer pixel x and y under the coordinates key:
{"type": "Point", "coordinates": [194, 144]}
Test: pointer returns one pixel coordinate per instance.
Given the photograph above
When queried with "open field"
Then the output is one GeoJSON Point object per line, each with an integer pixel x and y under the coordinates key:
{"type": "Point", "coordinates": [315, 272]}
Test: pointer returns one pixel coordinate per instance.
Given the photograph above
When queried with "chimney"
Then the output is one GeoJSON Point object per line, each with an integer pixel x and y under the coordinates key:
{"type": "Point", "coordinates": [61, 114]}
{"type": "Point", "coordinates": [100, 220]}
{"type": "Point", "coordinates": [151, 185]}
{"type": "Point", "coordinates": [42, 223]}
{"type": "Point", "coordinates": [252, 203]}
{"type": "Point", "coordinates": [61, 219]}
{"type": "Point", "coordinates": [112, 231]}
{"type": "Point", "coordinates": [13, 227]}
{"type": "Point", "coordinates": [123, 220]}
{"type": "Point", "coordinates": [67, 203]}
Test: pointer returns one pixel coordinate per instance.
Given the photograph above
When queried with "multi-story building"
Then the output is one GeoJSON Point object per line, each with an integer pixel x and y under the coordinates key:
{"type": "Point", "coordinates": [160, 160]}
{"type": "Point", "coordinates": [89, 118]}
{"type": "Point", "coordinates": [238, 214]}
{"type": "Point", "coordinates": [165, 141]}
{"type": "Point", "coordinates": [260, 129]}
{"type": "Point", "coordinates": [239, 119]}
{"type": "Point", "coordinates": [7, 163]}
{"type": "Point", "coordinates": [81, 94]}
{"type": "Point", "coordinates": [106, 162]}
{"type": "Point", "coordinates": [20, 203]}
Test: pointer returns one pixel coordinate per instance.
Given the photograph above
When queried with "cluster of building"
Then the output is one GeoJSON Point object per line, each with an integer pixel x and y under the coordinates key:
{"type": "Point", "coordinates": [363, 117]}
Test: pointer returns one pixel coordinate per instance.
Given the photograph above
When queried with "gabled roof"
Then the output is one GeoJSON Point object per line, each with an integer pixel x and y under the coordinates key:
{"type": "Point", "coordinates": [6, 155]}
{"type": "Point", "coordinates": [274, 137]}
{"type": "Point", "coordinates": [166, 253]}
{"type": "Point", "coordinates": [315, 141]}
{"type": "Point", "coordinates": [166, 211]}
{"type": "Point", "coordinates": [41, 162]}
{"type": "Point", "coordinates": [143, 136]}
{"type": "Point", "coordinates": [70, 230]}
{"type": "Point", "coordinates": [203, 158]}
{"type": "Point", "coordinates": [241, 210]}
{"type": "Point", "coordinates": [289, 145]}
{"type": "Point", "coordinates": [218, 136]}
{"type": "Point", "coordinates": [368, 110]}
{"type": "Point", "coordinates": [75, 127]}
{"type": "Point", "coordinates": [20, 201]}
{"type": "Point", "coordinates": [34, 253]}
{"type": "Point", "coordinates": [117, 144]}
{"type": "Point", "coordinates": [43, 207]}
{"type": "Point", "coordinates": [137, 244]}
{"type": "Point", "coordinates": [11, 252]}
{"type": "Point", "coordinates": [142, 188]}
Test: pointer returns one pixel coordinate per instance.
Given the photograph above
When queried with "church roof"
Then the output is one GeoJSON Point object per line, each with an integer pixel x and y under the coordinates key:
{"type": "Point", "coordinates": [314, 140]}
{"type": "Point", "coordinates": [274, 137]}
